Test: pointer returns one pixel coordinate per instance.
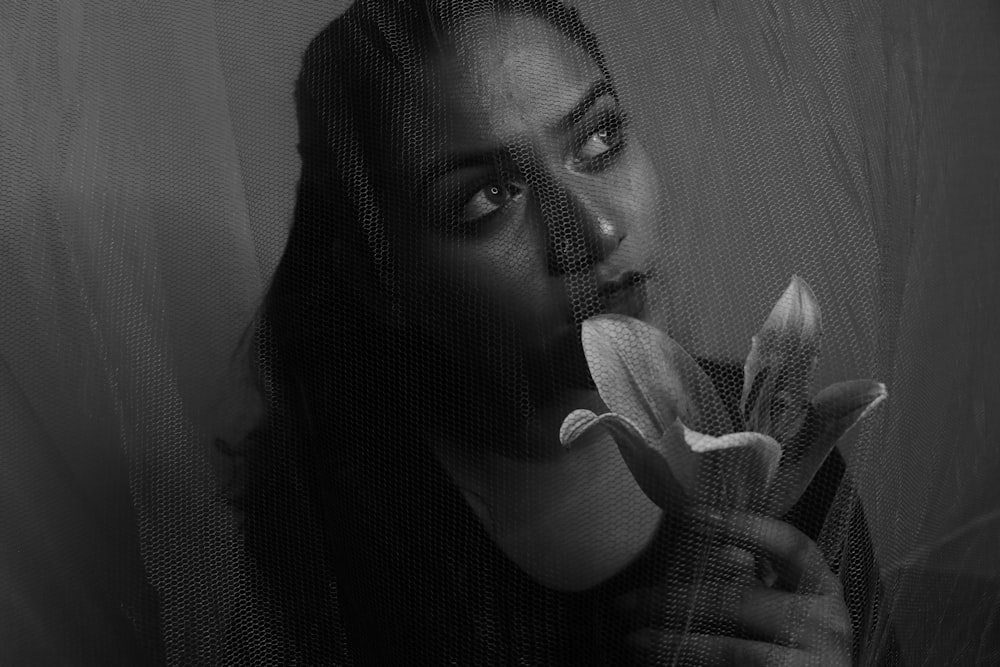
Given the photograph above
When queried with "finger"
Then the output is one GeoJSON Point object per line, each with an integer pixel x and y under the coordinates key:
{"type": "Point", "coordinates": [723, 596]}
{"type": "Point", "coordinates": [653, 647]}
{"type": "Point", "coordinates": [798, 561]}
{"type": "Point", "coordinates": [743, 567]}
{"type": "Point", "coordinates": [728, 566]}
{"type": "Point", "coordinates": [792, 619]}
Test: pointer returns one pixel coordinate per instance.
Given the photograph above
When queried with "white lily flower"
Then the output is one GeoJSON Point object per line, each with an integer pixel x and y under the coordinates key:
{"type": "Point", "coordinates": [674, 431]}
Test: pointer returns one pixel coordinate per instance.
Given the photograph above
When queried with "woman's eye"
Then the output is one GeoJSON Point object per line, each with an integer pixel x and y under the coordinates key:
{"type": "Point", "coordinates": [489, 199]}
{"type": "Point", "coordinates": [608, 137]}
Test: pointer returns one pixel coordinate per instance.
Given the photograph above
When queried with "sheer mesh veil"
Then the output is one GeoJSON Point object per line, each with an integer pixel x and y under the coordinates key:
{"type": "Point", "coordinates": [530, 332]}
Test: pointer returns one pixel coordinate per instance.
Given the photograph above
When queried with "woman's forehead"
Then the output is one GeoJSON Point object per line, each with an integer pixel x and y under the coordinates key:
{"type": "Point", "coordinates": [508, 77]}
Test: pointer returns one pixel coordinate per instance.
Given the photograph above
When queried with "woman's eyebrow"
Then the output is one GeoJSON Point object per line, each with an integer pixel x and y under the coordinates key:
{"type": "Point", "coordinates": [596, 91]}
{"type": "Point", "coordinates": [456, 161]}
{"type": "Point", "coordinates": [490, 157]}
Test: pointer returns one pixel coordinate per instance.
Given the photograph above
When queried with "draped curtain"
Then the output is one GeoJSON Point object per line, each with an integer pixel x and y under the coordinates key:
{"type": "Point", "coordinates": [147, 176]}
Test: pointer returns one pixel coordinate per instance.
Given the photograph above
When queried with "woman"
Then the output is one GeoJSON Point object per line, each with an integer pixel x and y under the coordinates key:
{"type": "Point", "coordinates": [470, 193]}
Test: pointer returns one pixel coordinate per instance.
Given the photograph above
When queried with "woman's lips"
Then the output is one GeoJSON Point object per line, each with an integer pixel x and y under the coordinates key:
{"type": "Point", "coordinates": [625, 295]}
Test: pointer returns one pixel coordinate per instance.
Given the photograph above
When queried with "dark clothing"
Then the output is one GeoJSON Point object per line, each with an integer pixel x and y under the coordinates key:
{"type": "Point", "coordinates": [436, 589]}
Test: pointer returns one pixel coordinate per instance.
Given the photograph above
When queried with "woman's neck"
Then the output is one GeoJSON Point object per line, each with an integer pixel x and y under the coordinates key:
{"type": "Point", "coordinates": [569, 518]}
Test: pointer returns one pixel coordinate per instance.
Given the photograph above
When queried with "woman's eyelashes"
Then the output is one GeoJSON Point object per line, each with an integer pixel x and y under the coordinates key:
{"type": "Point", "coordinates": [602, 141]}
{"type": "Point", "coordinates": [491, 198]}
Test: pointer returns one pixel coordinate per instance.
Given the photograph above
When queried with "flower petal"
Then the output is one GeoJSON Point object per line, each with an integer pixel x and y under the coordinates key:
{"type": "Point", "coordinates": [647, 463]}
{"type": "Point", "coordinates": [834, 411]}
{"type": "Point", "coordinates": [779, 367]}
{"type": "Point", "coordinates": [734, 470]}
{"type": "Point", "coordinates": [575, 426]}
{"type": "Point", "coordinates": [766, 447]}
{"type": "Point", "coordinates": [644, 375]}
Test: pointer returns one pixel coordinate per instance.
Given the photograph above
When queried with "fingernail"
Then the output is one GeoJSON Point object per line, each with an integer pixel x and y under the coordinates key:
{"type": "Point", "coordinates": [625, 603]}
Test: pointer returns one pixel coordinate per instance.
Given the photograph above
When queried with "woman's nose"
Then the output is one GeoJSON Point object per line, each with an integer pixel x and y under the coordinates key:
{"type": "Point", "coordinates": [581, 233]}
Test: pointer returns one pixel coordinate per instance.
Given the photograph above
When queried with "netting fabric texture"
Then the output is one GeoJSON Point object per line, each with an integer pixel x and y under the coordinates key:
{"type": "Point", "coordinates": [500, 332]}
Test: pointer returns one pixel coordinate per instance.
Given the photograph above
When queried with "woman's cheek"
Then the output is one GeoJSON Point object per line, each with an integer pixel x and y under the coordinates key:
{"type": "Point", "coordinates": [495, 282]}
{"type": "Point", "coordinates": [639, 194]}
{"type": "Point", "coordinates": [514, 256]}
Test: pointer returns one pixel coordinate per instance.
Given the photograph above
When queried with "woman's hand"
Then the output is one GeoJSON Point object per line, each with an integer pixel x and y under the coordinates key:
{"type": "Point", "coordinates": [729, 616]}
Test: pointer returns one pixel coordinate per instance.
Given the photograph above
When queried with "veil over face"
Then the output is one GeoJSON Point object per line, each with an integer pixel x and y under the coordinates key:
{"type": "Point", "coordinates": [487, 167]}
{"type": "Point", "coordinates": [532, 203]}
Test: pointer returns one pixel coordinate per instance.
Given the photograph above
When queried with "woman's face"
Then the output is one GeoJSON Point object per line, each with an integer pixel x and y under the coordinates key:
{"type": "Point", "coordinates": [534, 207]}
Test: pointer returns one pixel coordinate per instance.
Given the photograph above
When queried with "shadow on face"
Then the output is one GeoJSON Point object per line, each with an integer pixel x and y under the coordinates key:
{"type": "Point", "coordinates": [528, 206]}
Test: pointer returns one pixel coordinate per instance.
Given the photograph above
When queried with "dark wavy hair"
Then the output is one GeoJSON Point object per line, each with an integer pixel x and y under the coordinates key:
{"type": "Point", "coordinates": [320, 475]}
